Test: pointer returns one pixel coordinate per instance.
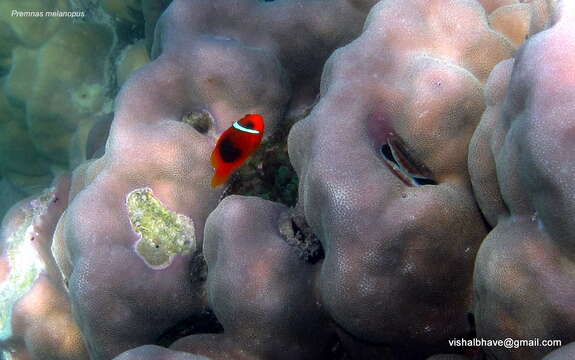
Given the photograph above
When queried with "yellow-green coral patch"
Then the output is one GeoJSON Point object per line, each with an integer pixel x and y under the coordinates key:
{"type": "Point", "coordinates": [163, 233]}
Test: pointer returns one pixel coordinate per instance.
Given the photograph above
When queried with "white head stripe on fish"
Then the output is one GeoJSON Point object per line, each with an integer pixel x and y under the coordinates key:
{"type": "Point", "coordinates": [244, 129]}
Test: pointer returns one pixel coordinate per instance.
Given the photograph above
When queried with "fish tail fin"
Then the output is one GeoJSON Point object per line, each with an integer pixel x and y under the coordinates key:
{"type": "Point", "coordinates": [214, 160]}
{"type": "Point", "coordinates": [219, 178]}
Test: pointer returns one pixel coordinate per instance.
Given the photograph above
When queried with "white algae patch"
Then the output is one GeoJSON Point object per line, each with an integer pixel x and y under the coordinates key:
{"type": "Point", "coordinates": [25, 263]}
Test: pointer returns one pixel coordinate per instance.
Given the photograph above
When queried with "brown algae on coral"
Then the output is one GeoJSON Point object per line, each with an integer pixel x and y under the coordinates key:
{"type": "Point", "coordinates": [163, 233]}
{"type": "Point", "coordinates": [202, 121]}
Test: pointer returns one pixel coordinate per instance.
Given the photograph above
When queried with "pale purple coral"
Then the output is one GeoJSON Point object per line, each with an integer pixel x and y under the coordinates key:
{"type": "Point", "coordinates": [42, 325]}
{"type": "Point", "coordinates": [214, 70]}
{"type": "Point", "coordinates": [566, 352]}
{"type": "Point", "coordinates": [151, 352]}
{"type": "Point", "coordinates": [384, 185]}
{"type": "Point", "coordinates": [261, 291]}
{"type": "Point", "coordinates": [524, 269]}
{"type": "Point", "coordinates": [383, 174]}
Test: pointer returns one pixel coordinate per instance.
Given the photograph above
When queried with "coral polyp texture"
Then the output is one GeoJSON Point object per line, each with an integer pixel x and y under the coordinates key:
{"type": "Point", "coordinates": [158, 353]}
{"type": "Point", "coordinates": [273, 313]}
{"type": "Point", "coordinates": [39, 324]}
{"type": "Point", "coordinates": [521, 173]}
{"type": "Point", "coordinates": [198, 73]}
{"type": "Point", "coordinates": [428, 141]}
{"type": "Point", "coordinates": [382, 162]}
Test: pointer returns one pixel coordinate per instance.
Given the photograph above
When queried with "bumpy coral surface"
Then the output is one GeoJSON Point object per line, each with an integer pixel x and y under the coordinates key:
{"type": "Point", "coordinates": [383, 172]}
{"type": "Point", "coordinates": [198, 70]}
{"type": "Point", "coordinates": [260, 289]}
{"type": "Point", "coordinates": [524, 270]}
{"type": "Point", "coordinates": [56, 75]}
{"type": "Point", "coordinates": [432, 148]}
{"type": "Point", "coordinates": [59, 76]}
{"type": "Point", "coordinates": [519, 20]}
{"type": "Point", "coordinates": [564, 353]}
{"type": "Point", "coordinates": [39, 325]}
{"type": "Point", "coordinates": [150, 352]}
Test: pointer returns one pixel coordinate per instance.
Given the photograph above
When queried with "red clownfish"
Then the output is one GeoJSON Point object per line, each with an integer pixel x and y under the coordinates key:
{"type": "Point", "coordinates": [235, 145]}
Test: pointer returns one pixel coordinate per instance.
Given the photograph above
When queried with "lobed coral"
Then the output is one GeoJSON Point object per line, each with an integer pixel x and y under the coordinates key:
{"type": "Point", "coordinates": [36, 320]}
{"type": "Point", "coordinates": [158, 353]}
{"type": "Point", "coordinates": [59, 76]}
{"type": "Point", "coordinates": [151, 145]}
{"type": "Point", "coordinates": [383, 174]}
{"type": "Point", "coordinates": [54, 100]}
{"type": "Point", "coordinates": [563, 353]}
{"type": "Point", "coordinates": [432, 186]}
{"type": "Point", "coordinates": [519, 20]}
{"type": "Point", "coordinates": [273, 313]}
{"type": "Point", "coordinates": [53, 73]}
{"type": "Point", "coordinates": [521, 175]}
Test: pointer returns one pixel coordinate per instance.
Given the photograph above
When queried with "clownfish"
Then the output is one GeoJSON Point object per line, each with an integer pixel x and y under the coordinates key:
{"type": "Point", "coordinates": [235, 145]}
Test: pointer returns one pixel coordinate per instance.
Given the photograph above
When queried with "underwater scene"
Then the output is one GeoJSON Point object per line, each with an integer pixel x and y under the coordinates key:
{"type": "Point", "coordinates": [287, 179]}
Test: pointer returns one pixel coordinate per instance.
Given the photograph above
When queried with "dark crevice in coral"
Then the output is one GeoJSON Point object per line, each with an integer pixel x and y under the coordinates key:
{"type": "Point", "coordinates": [386, 152]}
{"type": "Point", "coordinates": [420, 181]}
{"type": "Point", "coordinates": [298, 234]}
{"type": "Point", "coordinates": [98, 135]}
{"type": "Point", "coordinates": [471, 321]}
{"type": "Point", "coordinates": [152, 10]}
{"type": "Point", "coordinates": [130, 32]}
{"type": "Point", "coordinates": [94, 14]}
{"type": "Point", "coordinates": [338, 351]}
{"type": "Point", "coordinates": [126, 32]}
{"type": "Point", "coordinates": [5, 345]}
{"type": "Point", "coordinates": [404, 155]}
{"type": "Point", "coordinates": [403, 165]}
{"type": "Point", "coordinates": [198, 268]}
{"type": "Point", "coordinates": [268, 173]}
{"type": "Point", "coordinates": [203, 323]}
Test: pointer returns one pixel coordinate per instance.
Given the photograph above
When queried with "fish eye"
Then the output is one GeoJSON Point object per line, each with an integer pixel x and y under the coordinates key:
{"type": "Point", "coordinates": [249, 125]}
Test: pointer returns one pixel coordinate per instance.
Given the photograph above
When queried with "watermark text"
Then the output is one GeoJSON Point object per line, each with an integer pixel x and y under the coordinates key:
{"type": "Point", "coordinates": [508, 343]}
{"type": "Point", "coordinates": [56, 13]}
